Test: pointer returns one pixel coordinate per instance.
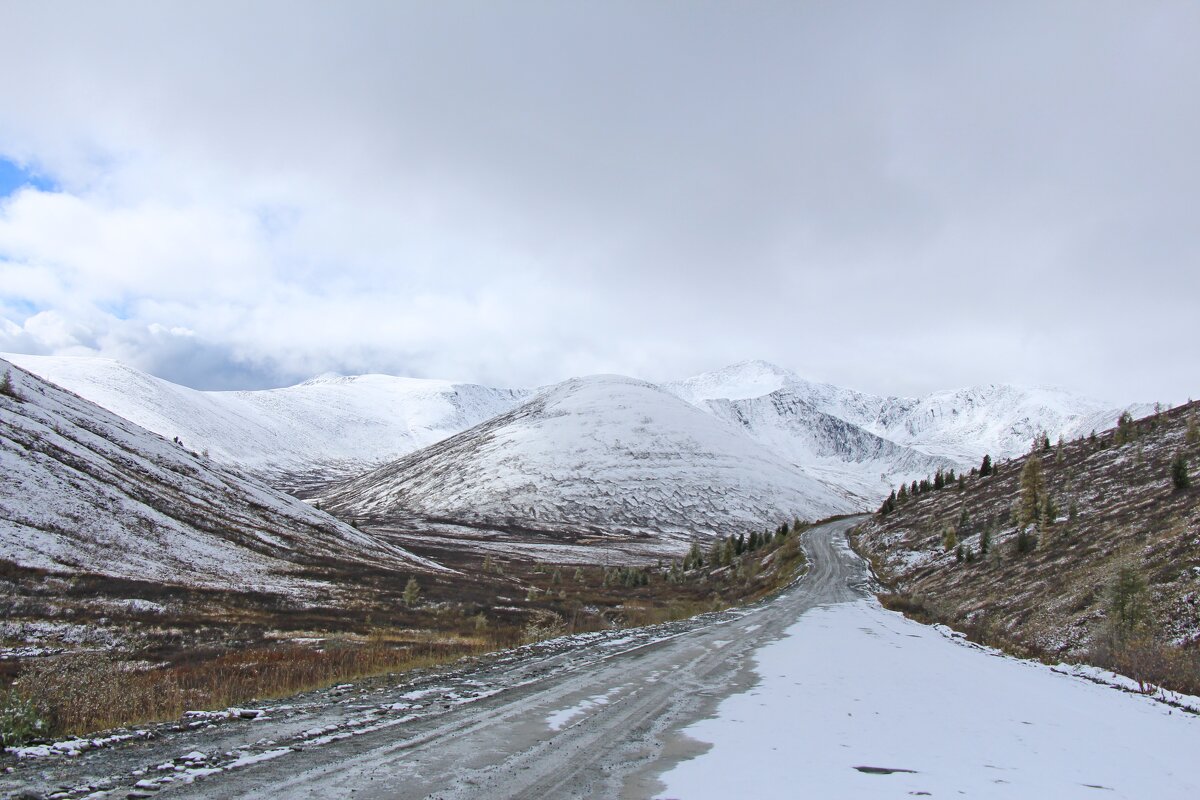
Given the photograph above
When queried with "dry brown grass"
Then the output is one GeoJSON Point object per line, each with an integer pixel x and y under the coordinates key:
{"type": "Point", "coordinates": [83, 692]}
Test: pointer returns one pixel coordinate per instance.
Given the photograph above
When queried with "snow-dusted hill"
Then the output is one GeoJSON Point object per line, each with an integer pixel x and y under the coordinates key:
{"type": "Point", "coordinates": [87, 491]}
{"type": "Point", "coordinates": [960, 425]}
{"type": "Point", "coordinates": [601, 453]}
{"type": "Point", "coordinates": [333, 428]}
{"type": "Point", "coordinates": [322, 429]}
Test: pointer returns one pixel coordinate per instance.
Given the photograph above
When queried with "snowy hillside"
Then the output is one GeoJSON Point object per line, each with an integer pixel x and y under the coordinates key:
{"type": "Point", "coordinates": [607, 453]}
{"type": "Point", "coordinates": [87, 491]}
{"type": "Point", "coordinates": [825, 446]}
{"type": "Point", "coordinates": [960, 425]}
{"type": "Point", "coordinates": [322, 429]}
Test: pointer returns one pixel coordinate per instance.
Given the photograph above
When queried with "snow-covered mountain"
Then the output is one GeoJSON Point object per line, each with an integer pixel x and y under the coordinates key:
{"type": "Point", "coordinates": [601, 453]}
{"type": "Point", "coordinates": [87, 491]}
{"type": "Point", "coordinates": [960, 425]}
{"type": "Point", "coordinates": [323, 429]}
{"type": "Point", "coordinates": [331, 429]}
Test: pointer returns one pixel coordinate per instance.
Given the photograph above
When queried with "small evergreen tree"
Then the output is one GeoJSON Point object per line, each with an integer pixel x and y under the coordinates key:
{"type": "Point", "coordinates": [1033, 487]}
{"type": "Point", "coordinates": [7, 388]}
{"type": "Point", "coordinates": [752, 545]}
{"type": "Point", "coordinates": [1128, 607]}
{"type": "Point", "coordinates": [412, 592]}
{"type": "Point", "coordinates": [1179, 473]}
{"type": "Point", "coordinates": [1126, 429]}
{"type": "Point", "coordinates": [728, 552]}
{"type": "Point", "coordinates": [985, 468]}
{"type": "Point", "coordinates": [1026, 541]}
{"type": "Point", "coordinates": [579, 578]}
{"type": "Point", "coordinates": [1049, 512]}
{"type": "Point", "coordinates": [949, 538]}
{"type": "Point", "coordinates": [1193, 430]}
{"type": "Point", "coordinates": [985, 540]}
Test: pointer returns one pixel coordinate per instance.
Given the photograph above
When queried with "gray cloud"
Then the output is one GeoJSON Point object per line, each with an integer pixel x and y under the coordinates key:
{"type": "Point", "coordinates": [898, 197]}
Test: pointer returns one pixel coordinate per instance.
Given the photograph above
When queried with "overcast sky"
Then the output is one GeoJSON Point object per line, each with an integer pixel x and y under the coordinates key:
{"type": "Point", "coordinates": [897, 197]}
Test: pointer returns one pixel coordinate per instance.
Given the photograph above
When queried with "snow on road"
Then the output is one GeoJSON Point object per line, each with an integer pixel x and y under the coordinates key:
{"type": "Point", "coordinates": [853, 685]}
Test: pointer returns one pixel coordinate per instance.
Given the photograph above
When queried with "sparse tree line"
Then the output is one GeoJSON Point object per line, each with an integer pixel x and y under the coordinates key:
{"type": "Point", "coordinates": [1035, 504]}
{"type": "Point", "coordinates": [1128, 641]}
{"type": "Point", "coordinates": [940, 480]}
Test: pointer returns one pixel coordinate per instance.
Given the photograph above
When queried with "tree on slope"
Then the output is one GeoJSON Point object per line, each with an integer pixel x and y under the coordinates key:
{"type": "Point", "coordinates": [985, 468]}
{"type": "Point", "coordinates": [1128, 606]}
{"type": "Point", "coordinates": [1033, 488]}
{"type": "Point", "coordinates": [1179, 473]}
{"type": "Point", "coordinates": [412, 592]}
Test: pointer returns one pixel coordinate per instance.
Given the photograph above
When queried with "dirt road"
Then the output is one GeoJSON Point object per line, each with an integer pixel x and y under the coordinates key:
{"type": "Point", "coordinates": [590, 716]}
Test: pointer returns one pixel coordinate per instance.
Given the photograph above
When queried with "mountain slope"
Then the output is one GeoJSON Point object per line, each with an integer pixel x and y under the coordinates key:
{"type": "Point", "coordinates": [87, 491]}
{"type": "Point", "coordinates": [825, 446]}
{"type": "Point", "coordinates": [605, 453]}
{"type": "Point", "coordinates": [1114, 506]}
{"type": "Point", "coordinates": [322, 429]}
{"type": "Point", "coordinates": [960, 425]}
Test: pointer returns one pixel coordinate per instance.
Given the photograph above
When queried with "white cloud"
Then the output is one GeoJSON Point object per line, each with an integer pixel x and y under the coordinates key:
{"type": "Point", "coordinates": [895, 198]}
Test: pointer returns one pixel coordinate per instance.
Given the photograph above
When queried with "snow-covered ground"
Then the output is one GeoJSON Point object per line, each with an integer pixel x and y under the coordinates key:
{"type": "Point", "coordinates": [855, 686]}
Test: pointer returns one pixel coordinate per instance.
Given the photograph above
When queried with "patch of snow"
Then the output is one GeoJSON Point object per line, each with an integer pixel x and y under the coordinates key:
{"type": "Point", "coordinates": [858, 701]}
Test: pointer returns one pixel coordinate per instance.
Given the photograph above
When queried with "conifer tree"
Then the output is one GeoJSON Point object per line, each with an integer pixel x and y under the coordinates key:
{"type": "Point", "coordinates": [949, 538]}
{"type": "Point", "coordinates": [1127, 602]}
{"type": "Point", "coordinates": [1049, 512]}
{"type": "Point", "coordinates": [985, 540]}
{"type": "Point", "coordinates": [752, 545]}
{"type": "Point", "coordinates": [1033, 487]}
{"type": "Point", "coordinates": [985, 468]}
{"type": "Point", "coordinates": [1193, 430]}
{"type": "Point", "coordinates": [714, 552]}
{"type": "Point", "coordinates": [412, 592]}
{"type": "Point", "coordinates": [1126, 429]}
{"type": "Point", "coordinates": [6, 386]}
{"type": "Point", "coordinates": [1180, 478]}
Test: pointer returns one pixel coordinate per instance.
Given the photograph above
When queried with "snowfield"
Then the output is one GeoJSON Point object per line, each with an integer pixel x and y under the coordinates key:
{"type": "Point", "coordinates": [858, 701]}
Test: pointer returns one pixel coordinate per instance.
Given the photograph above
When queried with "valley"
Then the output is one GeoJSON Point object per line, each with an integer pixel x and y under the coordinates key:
{"type": "Point", "coordinates": [511, 564]}
{"type": "Point", "coordinates": [655, 712]}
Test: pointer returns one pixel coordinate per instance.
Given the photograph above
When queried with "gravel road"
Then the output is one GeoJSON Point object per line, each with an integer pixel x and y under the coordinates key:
{"type": "Point", "coordinates": [591, 716]}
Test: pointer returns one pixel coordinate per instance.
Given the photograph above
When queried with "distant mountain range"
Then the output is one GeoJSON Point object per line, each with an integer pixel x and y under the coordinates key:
{"type": "Point", "coordinates": [745, 445]}
{"type": "Point", "coordinates": [607, 453]}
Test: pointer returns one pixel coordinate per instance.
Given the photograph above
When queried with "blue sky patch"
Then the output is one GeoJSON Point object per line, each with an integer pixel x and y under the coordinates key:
{"type": "Point", "coordinates": [14, 177]}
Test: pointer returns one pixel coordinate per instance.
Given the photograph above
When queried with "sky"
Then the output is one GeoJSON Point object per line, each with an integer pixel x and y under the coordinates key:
{"type": "Point", "coordinates": [895, 197]}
